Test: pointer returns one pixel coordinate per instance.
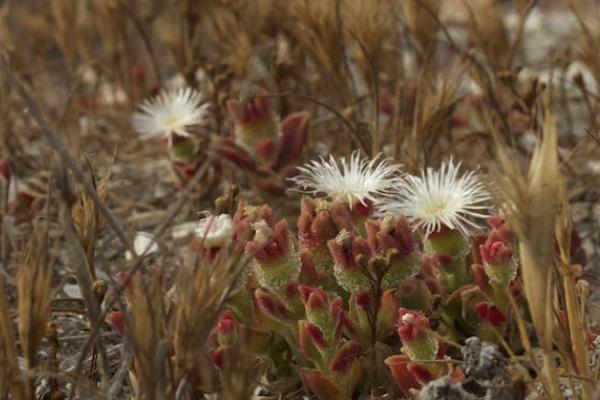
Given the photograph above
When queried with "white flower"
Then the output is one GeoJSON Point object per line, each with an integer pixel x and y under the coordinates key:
{"type": "Point", "coordinates": [215, 230]}
{"type": "Point", "coordinates": [144, 244]}
{"type": "Point", "coordinates": [171, 112]}
{"type": "Point", "coordinates": [358, 179]}
{"type": "Point", "coordinates": [441, 198]}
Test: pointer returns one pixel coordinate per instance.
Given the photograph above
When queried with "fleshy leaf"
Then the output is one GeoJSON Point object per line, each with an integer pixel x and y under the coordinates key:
{"type": "Point", "coordinates": [293, 136]}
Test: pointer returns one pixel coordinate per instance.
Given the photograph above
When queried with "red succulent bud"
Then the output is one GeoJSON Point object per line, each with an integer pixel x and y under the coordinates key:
{"type": "Point", "coordinates": [5, 169]}
{"type": "Point", "coordinates": [516, 289]}
{"type": "Point", "coordinates": [226, 324]}
{"type": "Point", "coordinates": [388, 308]}
{"type": "Point", "coordinates": [500, 227]}
{"type": "Point", "coordinates": [314, 299]}
{"type": "Point", "coordinates": [315, 228]}
{"type": "Point", "coordinates": [293, 137]}
{"type": "Point", "coordinates": [495, 250]}
{"type": "Point", "coordinates": [490, 314]}
{"type": "Point", "coordinates": [384, 103]}
{"type": "Point", "coordinates": [234, 153]}
{"type": "Point", "coordinates": [309, 269]}
{"type": "Point", "coordinates": [246, 216]}
{"type": "Point", "coordinates": [364, 300]}
{"type": "Point", "coordinates": [495, 221]}
{"type": "Point", "coordinates": [337, 307]}
{"type": "Point", "coordinates": [441, 350]}
{"type": "Point", "coordinates": [591, 339]}
{"type": "Point", "coordinates": [269, 305]}
{"type": "Point", "coordinates": [441, 260]}
{"type": "Point", "coordinates": [398, 366]}
{"type": "Point", "coordinates": [117, 319]}
{"type": "Point", "coordinates": [137, 73]}
{"type": "Point", "coordinates": [291, 290]}
{"type": "Point", "coordinates": [218, 357]}
{"type": "Point", "coordinates": [476, 242]}
{"type": "Point", "coordinates": [341, 319]}
{"type": "Point", "coordinates": [123, 278]}
{"type": "Point", "coordinates": [362, 209]}
{"type": "Point", "coordinates": [346, 248]}
{"type": "Point", "coordinates": [305, 292]}
{"type": "Point", "coordinates": [341, 215]}
{"type": "Point", "coordinates": [269, 245]}
{"type": "Point", "coordinates": [481, 278]}
{"type": "Point", "coordinates": [344, 357]}
{"type": "Point", "coordinates": [308, 208]}
{"type": "Point", "coordinates": [266, 148]}
{"type": "Point", "coordinates": [255, 111]}
{"type": "Point", "coordinates": [383, 238]}
{"type": "Point", "coordinates": [323, 387]}
{"type": "Point", "coordinates": [25, 206]}
{"type": "Point", "coordinates": [429, 276]}
{"type": "Point", "coordinates": [316, 335]}
{"type": "Point", "coordinates": [419, 373]}
{"type": "Point", "coordinates": [412, 325]}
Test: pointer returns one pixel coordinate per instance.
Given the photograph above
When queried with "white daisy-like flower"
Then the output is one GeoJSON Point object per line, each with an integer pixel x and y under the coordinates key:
{"type": "Point", "coordinates": [215, 230]}
{"type": "Point", "coordinates": [144, 244]}
{"type": "Point", "coordinates": [357, 179]}
{"type": "Point", "coordinates": [171, 112]}
{"type": "Point", "coordinates": [441, 197]}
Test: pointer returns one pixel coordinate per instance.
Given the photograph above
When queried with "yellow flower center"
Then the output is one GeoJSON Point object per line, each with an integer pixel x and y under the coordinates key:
{"type": "Point", "coordinates": [436, 208]}
{"type": "Point", "coordinates": [171, 122]}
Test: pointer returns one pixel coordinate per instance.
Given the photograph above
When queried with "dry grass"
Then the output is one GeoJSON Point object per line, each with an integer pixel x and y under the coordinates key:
{"type": "Point", "coordinates": [416, 80]}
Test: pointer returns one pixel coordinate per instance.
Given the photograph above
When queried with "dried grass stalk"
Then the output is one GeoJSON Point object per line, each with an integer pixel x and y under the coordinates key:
{"type": "Point", "coordinates": [574, 304]}
{"type": "Point", "coordinates": [10, 373]}
{"type": "Point", "coordinates": [589, 41]}
{"type": "Point", "coordinates": [488, 32]}
{"type": "Point", "coordinates": [86, 219]}
{"type": "Point", "coordinates": [111, 24]}
{"type": "Point", "coordinates": [147, 327]}
{"type": "Point", "coordinates": [200, 293]}
{"type": "Point", "coordinates": [421, 20]}
{"type": "Point", "coordinates": [372, 22]}
{"type": "Point", "coordinates": [319, 29]}
{"type": "Point", "coordinates": [79, 263]}
{"type": "Point", "coordinates": [531, 207]}
{"type": "Point", "coordinates": [34, 279]}
{"type": "Point", "coordinates": [537, 241]}
{"type": "Point", "coordinates": [64, 15]}
{"type": "Point", "coordinates": [434, 106]}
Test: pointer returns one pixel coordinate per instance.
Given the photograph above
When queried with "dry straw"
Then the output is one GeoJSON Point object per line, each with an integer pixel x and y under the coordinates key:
{"type": "Point", "coordinates": [534, 206]}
